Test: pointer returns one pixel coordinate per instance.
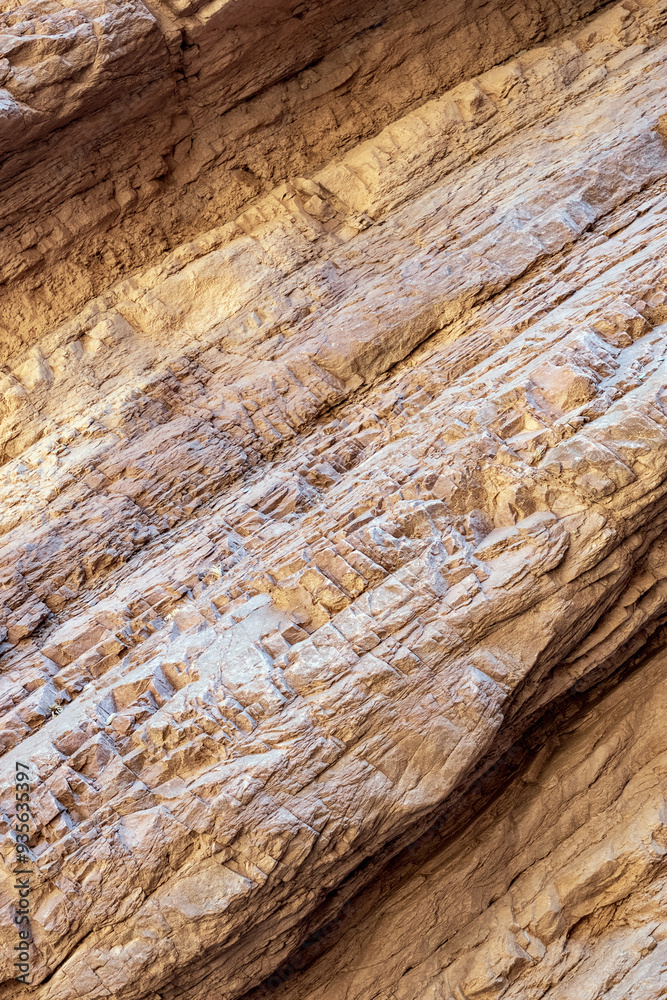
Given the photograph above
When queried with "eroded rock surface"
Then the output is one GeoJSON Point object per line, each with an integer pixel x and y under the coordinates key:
{"type": "Point", "coordinates": [557, 889]}
{"type": "Point", "coordinates": [312, 524]}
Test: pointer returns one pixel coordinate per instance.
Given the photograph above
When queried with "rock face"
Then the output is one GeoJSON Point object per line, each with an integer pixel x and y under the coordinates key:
{"type": "Point", "coordinates": [333, 555]}
{"type": "Point", "coordinates": [557, 889]}
{"type": "Point", "coordinates": [127, 129]}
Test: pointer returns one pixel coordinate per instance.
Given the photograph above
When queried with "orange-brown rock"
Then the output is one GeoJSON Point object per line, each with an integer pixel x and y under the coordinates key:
{"type": "Point", "coordinates": [333, 566]}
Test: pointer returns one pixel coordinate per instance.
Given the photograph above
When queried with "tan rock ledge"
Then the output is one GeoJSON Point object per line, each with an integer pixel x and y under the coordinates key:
{"type": "Point", "coordinates": [333, 508]}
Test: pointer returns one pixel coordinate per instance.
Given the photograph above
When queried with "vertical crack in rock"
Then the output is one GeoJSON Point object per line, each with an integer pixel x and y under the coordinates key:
{"type": "Point", "coordinates": [333, 507]}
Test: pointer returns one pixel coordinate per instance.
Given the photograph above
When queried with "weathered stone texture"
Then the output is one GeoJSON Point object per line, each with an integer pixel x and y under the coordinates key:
{"type": "Point", "coordinates": [333, 433]}
{"type": "Point", "coordinates": [161, 121]}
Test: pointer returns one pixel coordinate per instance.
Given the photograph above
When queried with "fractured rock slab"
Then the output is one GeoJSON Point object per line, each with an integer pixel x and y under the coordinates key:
{"type": "Point", "coordinates": [305, 525]}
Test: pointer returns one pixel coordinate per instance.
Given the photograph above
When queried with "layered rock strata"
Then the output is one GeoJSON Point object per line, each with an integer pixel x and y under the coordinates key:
{"type": "Point", "coordinates": [557, 889]}
{"type": "Point", "coordinates": [309, 523]}
{"type": "Point", "coordinates": [127, 128]}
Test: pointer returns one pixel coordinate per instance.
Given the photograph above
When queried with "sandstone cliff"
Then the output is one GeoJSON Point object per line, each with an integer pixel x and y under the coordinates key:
{"type": "Point", "coordinates": [333, 553]}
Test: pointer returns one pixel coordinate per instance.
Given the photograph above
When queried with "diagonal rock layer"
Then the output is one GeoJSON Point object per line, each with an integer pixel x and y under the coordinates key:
{"type": "Point", "coordinates": [333, 509]}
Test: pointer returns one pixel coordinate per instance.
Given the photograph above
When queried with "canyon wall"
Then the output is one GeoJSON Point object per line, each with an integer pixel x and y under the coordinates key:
{"type": "Point", "coordinates": [333, 515]}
